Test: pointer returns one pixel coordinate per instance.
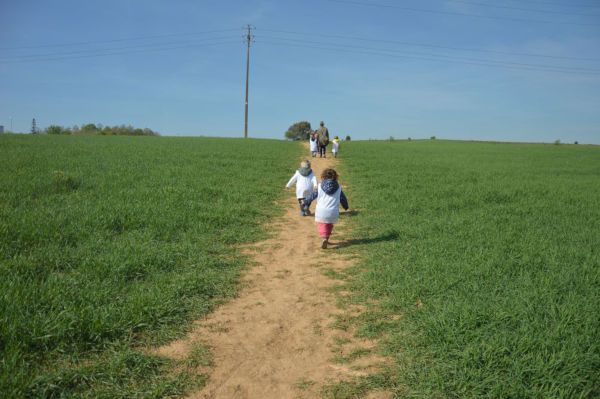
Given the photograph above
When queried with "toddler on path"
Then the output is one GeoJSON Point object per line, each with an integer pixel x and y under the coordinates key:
{"type": "Point", "coordinates": [306, 184]}
{"type": "Point", "coordinates": [314, 146]}
{"type": "Point", "coordinates": [336, 146]}
{"type": "Point", "coordinates": [329, 196]}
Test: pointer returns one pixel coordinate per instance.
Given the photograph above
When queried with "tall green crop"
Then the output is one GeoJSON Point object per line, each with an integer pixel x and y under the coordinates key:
{"type": "Point", "coordinates": [111, 243]}
{"type": "Point", "coordinates": [485, 261]}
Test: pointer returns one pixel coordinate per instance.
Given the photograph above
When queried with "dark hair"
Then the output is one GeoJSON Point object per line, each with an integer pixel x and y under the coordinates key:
{"type": "Point", "coordinates": [329, 174]}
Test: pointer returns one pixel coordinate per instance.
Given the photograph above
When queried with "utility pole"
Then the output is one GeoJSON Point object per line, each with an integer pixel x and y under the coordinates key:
{"type": "Point", "coordinates": [33, 127]}
{"type": "Point", "coordinates": [249, 38]}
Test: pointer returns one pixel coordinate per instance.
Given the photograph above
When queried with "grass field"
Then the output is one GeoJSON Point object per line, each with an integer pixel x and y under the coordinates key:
{"type": "Point", "coordinates": [110, 245]}
{"type": "Point", "coordinates": [482, 267]}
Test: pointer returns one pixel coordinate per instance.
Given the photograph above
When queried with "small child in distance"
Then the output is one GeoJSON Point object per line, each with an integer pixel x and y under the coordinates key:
{"type": "Point", "coordinates": [306, 184]}
{"type": "Point", "coordinates": [330, 196]}
{"type": "Point", "coordinates": [336, 146]}
{"type": "Point", "coordinates": [314, 146]}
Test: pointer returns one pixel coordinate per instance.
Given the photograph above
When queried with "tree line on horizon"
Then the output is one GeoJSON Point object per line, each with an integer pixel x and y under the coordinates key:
{"type": "Point", "coordinates": [91, 129]}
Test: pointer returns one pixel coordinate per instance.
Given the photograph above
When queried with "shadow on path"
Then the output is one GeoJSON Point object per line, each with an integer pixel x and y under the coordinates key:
{"type": "Point", "coordinates": [391, 236]}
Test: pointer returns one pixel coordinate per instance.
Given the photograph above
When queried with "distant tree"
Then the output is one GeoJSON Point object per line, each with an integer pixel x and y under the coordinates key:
{"type": "Point", "coordinates": [299, 131]}
{"type": "Point", "coordinates": [90, 128]}
{"type": "Point", "coordinates": [348, 138]}
{"type": "Point", "coordinates": [409, 139]}
{"type": "Point", "coordinates": [33, 126]}
{"type": "Point", "coordinates": [391, 138]}
{"type": "Point", "coordinates": [55, 129]}
{"type": "Point", "coordinates": [576, 142]}
{"type": "Point", "coordinates": [432, 137]}
{"type": "Point", "coordinates": [557, 142]}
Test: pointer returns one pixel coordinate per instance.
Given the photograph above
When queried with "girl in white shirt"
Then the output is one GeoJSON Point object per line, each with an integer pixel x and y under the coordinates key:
{"type": "Point", "coordinates": [330, 196]}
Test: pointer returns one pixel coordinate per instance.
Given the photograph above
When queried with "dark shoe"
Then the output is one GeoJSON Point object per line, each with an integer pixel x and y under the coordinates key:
{"type": "Point", "coordinates": [324, 244]}
{"type": "Point", "coordinates": [302, 213]}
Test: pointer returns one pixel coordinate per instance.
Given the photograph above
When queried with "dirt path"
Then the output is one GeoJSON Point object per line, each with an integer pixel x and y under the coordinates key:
{"type": "Point", "coordinates": [275, 340]}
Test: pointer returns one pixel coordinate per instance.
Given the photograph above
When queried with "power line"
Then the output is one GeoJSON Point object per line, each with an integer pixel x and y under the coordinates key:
{"type": "Point", "coordinates": [120, 52]}
{"type": "Point", "coordinates": [453, 58]}
{"type": "Point", "coordinates": [551, 3]}
{"type": "Point", "coordinates": [433, 45]}
{"type": "Point", "coordinates": [137, 46]}
{"type": "Point", "coordinates": [522, 9]}
{"type": "Point", "coordinates": [422, 10]}
{"type": "Point", "coordinates": [118, 39]}
{"type": "Point", "coordinates": [387, 53]}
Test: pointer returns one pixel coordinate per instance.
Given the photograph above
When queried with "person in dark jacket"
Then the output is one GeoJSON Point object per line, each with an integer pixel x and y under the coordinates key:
{"type": "Point", "coordinates": [323, 140]}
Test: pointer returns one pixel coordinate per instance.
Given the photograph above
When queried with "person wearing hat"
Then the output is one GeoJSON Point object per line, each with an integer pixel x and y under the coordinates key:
{"type": "Point", "coordinates": [306, 183]}
{"type": "Point", "coordinates": [323, 140]}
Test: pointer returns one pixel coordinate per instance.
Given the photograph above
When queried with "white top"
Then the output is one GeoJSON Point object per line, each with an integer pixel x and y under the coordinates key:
{"type": "Point", "coordinates": [328, 206]}
{"type": "Point", "coordinates": [313, 145]}
{"type": "Point", "coordinates": [336, 147]}
{"type": "Point", "coordinates": [305, 185]}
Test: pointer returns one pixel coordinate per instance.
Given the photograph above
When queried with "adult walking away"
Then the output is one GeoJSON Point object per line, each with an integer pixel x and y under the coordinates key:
{"type": "Point", "coordinates": [323, 139]}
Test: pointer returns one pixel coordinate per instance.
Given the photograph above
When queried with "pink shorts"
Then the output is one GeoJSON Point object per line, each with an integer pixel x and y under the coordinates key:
{"type": "Point", "coordinates": [325, 229]}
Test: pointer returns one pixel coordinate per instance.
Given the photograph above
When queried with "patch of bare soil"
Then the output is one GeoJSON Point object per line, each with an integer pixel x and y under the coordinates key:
{"type": "Point", "coordinates": [276, 340]}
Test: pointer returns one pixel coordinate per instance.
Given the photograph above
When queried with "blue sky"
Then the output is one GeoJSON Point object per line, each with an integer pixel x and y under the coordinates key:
{"type": "Point", "coordinates": [507, 70]}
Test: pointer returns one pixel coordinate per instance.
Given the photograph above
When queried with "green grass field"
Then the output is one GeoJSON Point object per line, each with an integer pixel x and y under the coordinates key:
{"type": "Point", "coordinates": [110, 245]}
{"type": "Point", "coordinates": [481, 262]}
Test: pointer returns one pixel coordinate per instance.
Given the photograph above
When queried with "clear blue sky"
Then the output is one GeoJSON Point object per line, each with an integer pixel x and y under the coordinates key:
{"type": "Point", "coordinates": [368, 68]}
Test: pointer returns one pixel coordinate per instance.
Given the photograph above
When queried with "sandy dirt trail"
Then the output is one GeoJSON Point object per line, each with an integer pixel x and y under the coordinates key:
{"type": "Point", "coordinates": [275, 340]}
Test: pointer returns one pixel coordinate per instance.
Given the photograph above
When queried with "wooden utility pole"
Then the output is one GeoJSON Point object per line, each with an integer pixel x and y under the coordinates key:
{"type": "Point", "coordinates": [248, 42]}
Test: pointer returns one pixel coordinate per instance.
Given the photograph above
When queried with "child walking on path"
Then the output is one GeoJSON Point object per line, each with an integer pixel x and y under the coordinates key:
{"type": "Point", "coordinates": [336, 146]}
{"type": "Point", "coordinates": [306, 184]}
{"type": "Point", "coordinates": [314, 146]}
{"type": "Point", "coordinates": [329, 197]}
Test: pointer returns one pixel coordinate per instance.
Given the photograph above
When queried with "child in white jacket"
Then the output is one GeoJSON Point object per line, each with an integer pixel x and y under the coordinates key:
{"type": "Point", "coordinates": [306, 184]}
{"type": "Point", "coordinates": [314, 146]}
{"type": "Point", "coordinates": [330, 196]}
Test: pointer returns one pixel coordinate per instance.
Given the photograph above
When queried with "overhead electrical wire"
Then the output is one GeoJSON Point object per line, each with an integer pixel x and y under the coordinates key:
{"type": "Point", "coordinates": [119, 39]}
{"type": "Point", "coordinates": [137, 46]}
{"type": "Point", "coordinates": [212, 41]}
{"type": "Point", "coordinates": [552, 3]}
{"type": "Point", "coordinates": [112, 52]}
{"type": "Point", "coordinates": [442, 12]}
{"type": "Point", "coordinates": [428, 59]}
{"type": "Point", "coordinates": [433, 57]}
{"type": "Point", "coordinates": [432, 45]}
{"type": "Point", "coordinates": [479, 4]}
